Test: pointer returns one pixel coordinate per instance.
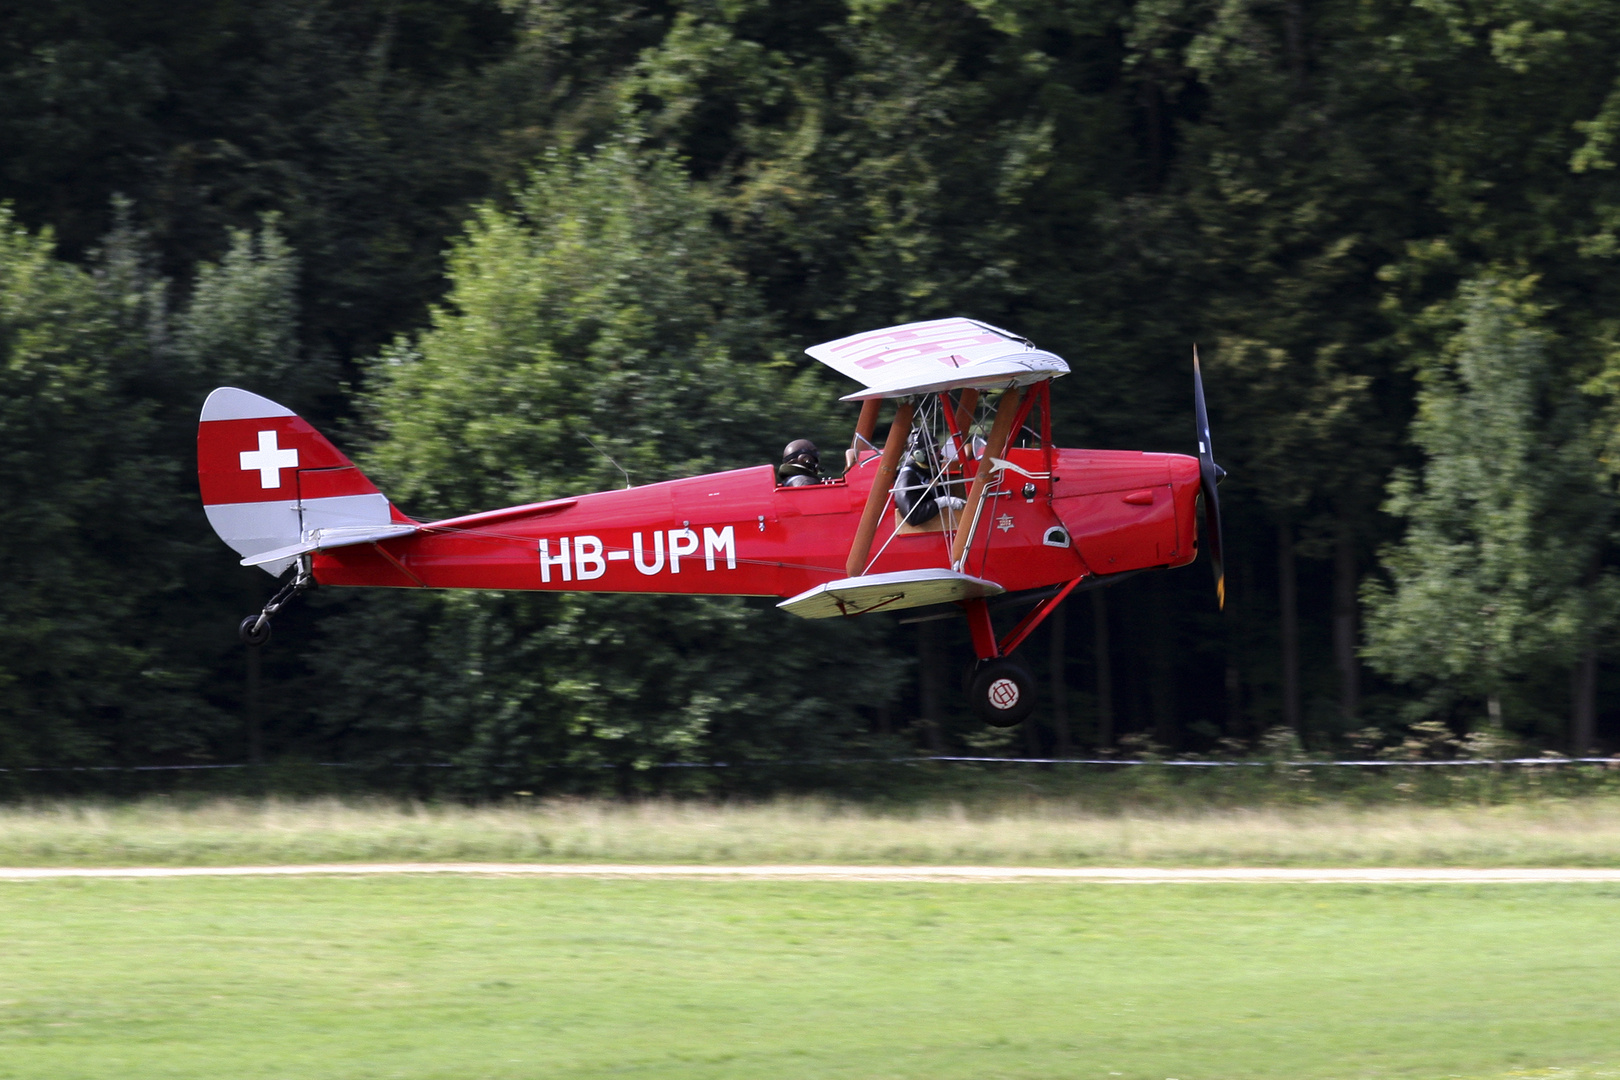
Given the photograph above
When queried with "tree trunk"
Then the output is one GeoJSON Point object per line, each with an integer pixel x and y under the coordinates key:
{"type": "Point", "coordinates": [1032, 737]}
{"type": "Point", "coordinates": [1583, 680]}
{"type": "Point", "coordinates": [1344, 622]}
{"type": "Point", "coordinates": [1105, 669]}
{"type": "Point", "coordinates": [1294, 38]}
{"type": "Point", "coordinates": [1583, 705]}
{"type": "Point", "coordinates": [1166, 732]}
{"type": "Point", "coordinates": [1235, 727]}
{"type": "Point", "coordinates": [1057, 633]}
{"type": "Point", "coordinates": [1150, 100]}
{"type": "Point", "coordinates": [930, 672]}
{"type": "Point", "coordinates": [1288, 598]}
{"type": "Point", "coordinates": [255, 712]}
{"type": "Point", "coordinates": [1239, 724]}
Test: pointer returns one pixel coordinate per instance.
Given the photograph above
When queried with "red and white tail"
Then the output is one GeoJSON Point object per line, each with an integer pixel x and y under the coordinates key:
{"type": "Point", "coordinates": [274, 489]}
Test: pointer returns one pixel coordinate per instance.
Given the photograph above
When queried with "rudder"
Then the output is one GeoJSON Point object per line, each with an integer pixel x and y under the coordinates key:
{"type": "Point", "coordinates": [271, 483]}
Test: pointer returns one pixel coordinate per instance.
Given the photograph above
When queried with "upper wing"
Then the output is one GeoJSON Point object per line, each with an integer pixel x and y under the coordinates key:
{"type": "Point", "coordinates": [944, 354]}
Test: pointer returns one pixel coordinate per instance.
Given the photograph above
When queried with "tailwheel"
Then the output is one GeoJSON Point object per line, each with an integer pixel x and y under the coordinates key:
{"type": "Point", "coordinates": [1002, 691]}
{"type": "Point", "coordinates": [255, 629]}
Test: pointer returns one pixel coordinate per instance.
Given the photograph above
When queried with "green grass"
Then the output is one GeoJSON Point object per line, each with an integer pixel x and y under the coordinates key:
{"type": "Point", "coordinates": [422, 978]}
{"type": "Point", "coordinates": [1030, 831]}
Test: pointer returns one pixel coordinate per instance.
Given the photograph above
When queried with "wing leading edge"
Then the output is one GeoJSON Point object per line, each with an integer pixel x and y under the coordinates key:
{"type": "Point", "coordinates": [942, 354]}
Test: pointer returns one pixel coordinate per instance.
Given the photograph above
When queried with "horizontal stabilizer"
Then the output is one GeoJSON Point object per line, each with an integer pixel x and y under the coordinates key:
{"type": "Point", "coordinates": [331, 538]}
{"type": "Point", "coordinates": [888, 592]}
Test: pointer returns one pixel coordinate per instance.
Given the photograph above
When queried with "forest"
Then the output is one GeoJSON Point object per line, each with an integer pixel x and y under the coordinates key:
{"type": "Point", "coordinates": [489, 245]}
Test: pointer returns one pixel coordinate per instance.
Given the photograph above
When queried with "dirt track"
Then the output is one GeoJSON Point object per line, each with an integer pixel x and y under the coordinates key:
{"type": "Point", "coordinates": [1098, 875]}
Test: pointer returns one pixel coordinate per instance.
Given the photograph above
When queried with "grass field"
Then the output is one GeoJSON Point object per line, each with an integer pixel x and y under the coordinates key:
{"type": "Point", "coordinates": [1049, 832]}
{"type": "Point", "coordinates": [418, 978]}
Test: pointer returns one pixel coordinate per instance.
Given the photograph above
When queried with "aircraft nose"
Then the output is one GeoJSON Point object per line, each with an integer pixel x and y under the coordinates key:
{"type": "Point", "coordinates": [1183, 470]}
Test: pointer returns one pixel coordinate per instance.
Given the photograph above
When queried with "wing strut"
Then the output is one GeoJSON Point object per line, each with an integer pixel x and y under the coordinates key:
{"type": "Point", "coordinates": [863, 432]}
{"type": "Point", "coordinates": [878, 497]}
{"type": "Point", "coordinates": [1000, 432]}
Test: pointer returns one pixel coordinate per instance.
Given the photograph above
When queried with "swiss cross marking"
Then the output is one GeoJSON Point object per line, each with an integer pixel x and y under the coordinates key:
{"type": "Point", "coordinates": [268, 460]}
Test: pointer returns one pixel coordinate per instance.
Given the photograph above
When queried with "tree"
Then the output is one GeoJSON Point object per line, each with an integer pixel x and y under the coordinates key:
{"type": "Point", "coordinates": [370, 127]}
{"type": "Point", "coordinates": [1495, 576]}
{"type": "Point", "coordinates": [240, 325]}
{"type": "Point", "coordinates": [601, 318]}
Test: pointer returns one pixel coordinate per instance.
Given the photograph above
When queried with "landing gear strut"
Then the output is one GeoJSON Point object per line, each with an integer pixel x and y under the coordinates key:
{"type": "Point", "coordinates": [1002, 690]}
{"type": "Point", "coordinates": [255, 629]}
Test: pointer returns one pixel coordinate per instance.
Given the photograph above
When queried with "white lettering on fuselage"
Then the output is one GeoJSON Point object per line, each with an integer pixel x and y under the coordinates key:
{"type": "Point", "coordinates": [583, 558]}
{"type": "Point", "coordinates": [548, 560]}
{"type": "Point", "coordinates": [716, 542]}
{"type": "Point", "coordinates": [588, 563]}
{"type": "Point", "coordinates": [657, 563]}
{"type": "Point", "coordinates": [681, 542]}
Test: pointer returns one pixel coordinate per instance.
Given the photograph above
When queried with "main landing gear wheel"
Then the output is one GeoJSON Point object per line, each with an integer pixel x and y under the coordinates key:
{"type": "Point", "coordinates": [254, 630]}
{"type": "Point", "coordinates": [1002, 692]}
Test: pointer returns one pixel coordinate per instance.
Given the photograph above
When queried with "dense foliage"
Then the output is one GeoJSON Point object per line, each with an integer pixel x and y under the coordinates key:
{"type": "Point", "coordinates": [502, 248]}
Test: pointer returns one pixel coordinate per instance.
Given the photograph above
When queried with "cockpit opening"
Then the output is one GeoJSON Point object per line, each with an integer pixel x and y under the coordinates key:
{"type": "Point", "coordinates": [801, 464]}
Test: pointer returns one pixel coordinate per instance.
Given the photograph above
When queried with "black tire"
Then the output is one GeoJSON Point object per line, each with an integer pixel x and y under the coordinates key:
{"type": "Point", "coordinates": [1002, 692]}
{"type": "Point", "coordinates": [252, 632]}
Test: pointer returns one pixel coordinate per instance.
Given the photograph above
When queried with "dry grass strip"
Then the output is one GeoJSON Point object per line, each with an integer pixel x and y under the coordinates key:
{"type": "Point", "coordinates": [1087, 874]}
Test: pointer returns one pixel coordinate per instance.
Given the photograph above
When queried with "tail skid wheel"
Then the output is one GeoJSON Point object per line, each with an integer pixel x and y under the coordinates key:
{"type": "Point", "coordinates": [254, 630]}
{"type": "Point", "coordinates": [1002, 692]}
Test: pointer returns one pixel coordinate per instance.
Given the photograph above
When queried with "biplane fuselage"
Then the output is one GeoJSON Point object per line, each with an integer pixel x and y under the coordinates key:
{"type": "Point", "coordinates": [738, 533]}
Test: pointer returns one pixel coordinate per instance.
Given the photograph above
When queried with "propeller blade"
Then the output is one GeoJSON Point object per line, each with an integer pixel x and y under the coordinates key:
{"type": "Point", "coordinates": [1209, 476]}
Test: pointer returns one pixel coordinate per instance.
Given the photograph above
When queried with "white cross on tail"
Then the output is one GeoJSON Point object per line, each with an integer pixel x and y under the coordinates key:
{"type": "Point", "coordinates": [269, 460]}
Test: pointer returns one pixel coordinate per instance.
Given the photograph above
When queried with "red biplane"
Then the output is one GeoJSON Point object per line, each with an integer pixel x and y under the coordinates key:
{"type": "Point", "coordinates": [967, 506]}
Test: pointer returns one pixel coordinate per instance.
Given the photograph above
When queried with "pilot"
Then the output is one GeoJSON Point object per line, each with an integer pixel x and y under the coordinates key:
{"type": "Point", "coordinates": [920, 492]}
{"type": "Point", "coordinates": [801, 464]}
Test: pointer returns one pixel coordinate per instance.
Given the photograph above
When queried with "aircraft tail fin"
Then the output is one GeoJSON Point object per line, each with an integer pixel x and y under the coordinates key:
{"type": "Point", "coordinates": [274, 488]}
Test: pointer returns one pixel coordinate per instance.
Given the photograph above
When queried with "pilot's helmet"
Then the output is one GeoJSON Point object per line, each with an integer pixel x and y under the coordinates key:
{"type": "Point", "coordinates": [801, 452]}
